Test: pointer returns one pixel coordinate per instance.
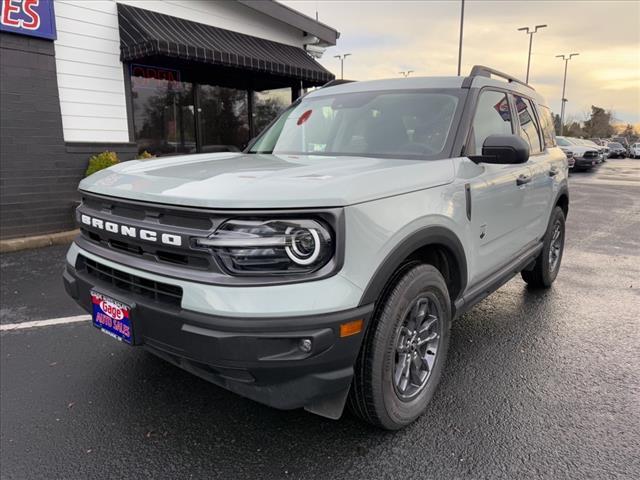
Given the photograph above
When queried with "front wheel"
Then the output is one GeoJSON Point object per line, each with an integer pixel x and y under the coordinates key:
{"type": "Point", "coordinates": [548, 261]}
{"type": "Point", "coordinates": [404, 350]}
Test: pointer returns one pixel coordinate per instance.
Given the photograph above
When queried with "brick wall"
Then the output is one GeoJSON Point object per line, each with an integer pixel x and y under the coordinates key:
{"type": "Point", "coordinates": [39, 173]}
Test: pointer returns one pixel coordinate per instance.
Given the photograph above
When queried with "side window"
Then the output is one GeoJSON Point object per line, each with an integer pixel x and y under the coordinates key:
{"type": "Point", "coordinates": [548, 129]}
{"type": "Point", "coordinates": [529, 128]}
{"type": "Point", "coordinates": [493, 117]}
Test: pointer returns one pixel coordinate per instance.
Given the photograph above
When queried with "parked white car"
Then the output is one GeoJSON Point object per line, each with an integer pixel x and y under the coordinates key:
{"type": "Point", "coordinates": [634, 150]}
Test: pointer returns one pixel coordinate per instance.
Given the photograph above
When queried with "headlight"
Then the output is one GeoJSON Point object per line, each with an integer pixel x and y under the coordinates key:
{"type": "Point", "coordinates": [278, 246]}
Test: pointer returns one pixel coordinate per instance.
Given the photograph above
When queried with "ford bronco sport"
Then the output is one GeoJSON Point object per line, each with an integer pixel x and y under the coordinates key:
{"type": "Point", "coordinates": [323, 266]}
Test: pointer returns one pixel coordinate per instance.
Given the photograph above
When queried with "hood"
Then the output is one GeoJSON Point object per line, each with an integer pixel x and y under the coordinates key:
{"type": "Point", "coordinates": [579, 150]}
{"type": "Point", "coordinates": [237, 180]}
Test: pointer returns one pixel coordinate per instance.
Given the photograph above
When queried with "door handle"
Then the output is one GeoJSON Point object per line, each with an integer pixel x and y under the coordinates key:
{"type": "Point", "coordinates": [523, 179]}
{"type": "Point", "coordinates": [554, 171]}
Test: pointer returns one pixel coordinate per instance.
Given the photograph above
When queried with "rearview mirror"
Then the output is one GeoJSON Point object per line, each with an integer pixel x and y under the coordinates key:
{"type": "Point", "coordinates": [503, 149]}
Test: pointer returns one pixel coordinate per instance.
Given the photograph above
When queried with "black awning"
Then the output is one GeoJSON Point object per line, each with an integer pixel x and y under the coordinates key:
{"type": "Point", "coordinates": [144, 33]}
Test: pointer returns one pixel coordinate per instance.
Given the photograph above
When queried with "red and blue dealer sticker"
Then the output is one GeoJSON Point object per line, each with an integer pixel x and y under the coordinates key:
{"type": "Point", "coordinates": [112, 317]}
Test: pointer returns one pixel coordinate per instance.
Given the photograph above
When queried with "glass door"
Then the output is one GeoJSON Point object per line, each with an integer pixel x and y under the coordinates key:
{"type": "Point", "coordinates": [223, 118]}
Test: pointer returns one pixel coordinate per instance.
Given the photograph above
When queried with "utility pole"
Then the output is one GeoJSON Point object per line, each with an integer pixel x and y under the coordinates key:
{"type": "Point", "coordinates": [342, 57]}
{"type": "Point", "coordinates": [530, 32]}
{"type": "Point", "coordinates": [406, 74]}
{"type": "Point", "coordinates": [460, 45]}
{"type": "Point", "coordinates": [566, 59]}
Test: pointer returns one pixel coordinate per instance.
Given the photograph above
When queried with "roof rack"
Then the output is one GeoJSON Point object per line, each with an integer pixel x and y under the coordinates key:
{"type": "Point", "coordinates": [482, 71]}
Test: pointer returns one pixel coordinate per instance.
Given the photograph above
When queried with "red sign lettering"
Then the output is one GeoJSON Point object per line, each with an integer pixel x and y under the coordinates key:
{"type": "Point", "coordinates": [34, 19]}
{"type": "Point", "coordinates": [143, 76]}
{"type": "Point", "coordinates": [8, 7]}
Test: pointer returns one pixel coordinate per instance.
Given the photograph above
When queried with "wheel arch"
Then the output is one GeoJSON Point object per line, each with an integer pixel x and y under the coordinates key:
{"type": "Point", "coordinates": [435, 245]}
{"type": "Point", "coordinates": [562, 201]}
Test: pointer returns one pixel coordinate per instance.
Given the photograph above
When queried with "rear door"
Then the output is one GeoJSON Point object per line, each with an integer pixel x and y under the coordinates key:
{"type": "Point", "coordinates": [497, 192]}
{"type": "Point", "coordinates": [540, 192]}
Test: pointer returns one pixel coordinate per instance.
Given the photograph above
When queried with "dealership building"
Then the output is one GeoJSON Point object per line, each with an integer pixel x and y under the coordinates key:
{"type": "Point", "coordinates": [163, 76]}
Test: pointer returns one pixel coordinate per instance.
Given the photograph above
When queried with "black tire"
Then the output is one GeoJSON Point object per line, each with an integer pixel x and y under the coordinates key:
{"type": "Point", "coordinates": [547, 266]}
{"type": "Point", "coordinates": [375, 396]}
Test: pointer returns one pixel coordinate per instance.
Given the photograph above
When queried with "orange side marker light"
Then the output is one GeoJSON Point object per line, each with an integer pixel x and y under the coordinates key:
{"type": "Point", "coordinates": [351, 328]}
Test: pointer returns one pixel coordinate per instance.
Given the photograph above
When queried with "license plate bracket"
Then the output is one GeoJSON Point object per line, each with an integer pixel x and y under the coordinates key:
{"type": "Point", "coordinates": [112, 317]}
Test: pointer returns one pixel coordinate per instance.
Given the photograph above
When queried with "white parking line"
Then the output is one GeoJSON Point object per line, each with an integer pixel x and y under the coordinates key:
{"type": "Point", "coordinates": [44, 323]}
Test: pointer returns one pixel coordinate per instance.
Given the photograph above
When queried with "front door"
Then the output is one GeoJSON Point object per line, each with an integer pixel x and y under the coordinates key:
{"type": "Point", "coordinates": [498, 192]}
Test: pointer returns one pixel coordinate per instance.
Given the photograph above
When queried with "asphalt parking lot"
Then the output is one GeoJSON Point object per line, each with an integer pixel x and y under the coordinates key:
{"type": "Point", "coordinates": [543, 385]}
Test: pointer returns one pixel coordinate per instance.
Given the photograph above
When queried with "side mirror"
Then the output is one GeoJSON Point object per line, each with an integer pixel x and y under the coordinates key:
{"type": "Point", "coordinates": [503, 149]}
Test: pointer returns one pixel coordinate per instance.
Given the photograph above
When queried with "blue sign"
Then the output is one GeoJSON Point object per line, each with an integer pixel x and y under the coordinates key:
{"type": "Point", "coordinates": [28, 17]}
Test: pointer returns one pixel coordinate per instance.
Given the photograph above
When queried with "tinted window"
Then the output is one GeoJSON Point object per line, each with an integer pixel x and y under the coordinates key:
{"type": "Point", "coordinates": [224, 118]}
{"type": "Point", "coordinates": [548, 130]}
{"type": "Point", "coordinates": [493, 117]}
{"type": "Point", "coordinates": [163, 116]}
{"type": "Point", "coordinates": [390, 124]}
{"type": "Point", "coordinates": [529, 129]}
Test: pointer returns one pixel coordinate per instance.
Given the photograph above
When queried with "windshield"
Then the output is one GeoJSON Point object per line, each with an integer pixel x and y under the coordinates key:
{"type": "Point", "coordinates": [614, 145]}
{"type": "Point", "coordinates": [400, 124]}
{"type": "Point", "coordinates": [563, 142]}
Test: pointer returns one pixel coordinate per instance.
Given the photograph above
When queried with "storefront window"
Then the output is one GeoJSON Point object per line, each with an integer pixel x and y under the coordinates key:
{"type": "Point", "coordinates": [267, 105]}
{"type": "Point", "coordinates": [164, 115]}
{"type": "Point", "coordinates": [172, 116]}
{"type": "Point", "coordinates": [224, 118]}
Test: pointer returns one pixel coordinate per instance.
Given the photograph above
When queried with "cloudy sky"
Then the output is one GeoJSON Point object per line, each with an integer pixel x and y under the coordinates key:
{"type": "Point", "coordinates": [385, 37]}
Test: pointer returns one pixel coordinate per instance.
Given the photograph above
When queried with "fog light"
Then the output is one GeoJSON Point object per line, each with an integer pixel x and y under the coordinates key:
{"type": "Point", "coordinates": [305, 345]}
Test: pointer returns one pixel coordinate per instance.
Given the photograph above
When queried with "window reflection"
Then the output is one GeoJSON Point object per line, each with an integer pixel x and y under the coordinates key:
{"type": "Point", "coordinates": [224, 118]}
{"type": "Point", "coordinates": [267, 105]}
{"type": "Point", "coordinates": [492, 117]}
{"type": "Point", "coordinates": [528, 125]}
{"type": "Point", "coordinates": [164, 116]}
{"type": "Point", "coordinates": [167, 121]}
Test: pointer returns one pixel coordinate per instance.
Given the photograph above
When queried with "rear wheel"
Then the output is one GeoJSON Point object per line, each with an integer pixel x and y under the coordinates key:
{"type": "Point", "coordinates": [404, 350]}
{"type": "Point", "coordinates": [547, 263]}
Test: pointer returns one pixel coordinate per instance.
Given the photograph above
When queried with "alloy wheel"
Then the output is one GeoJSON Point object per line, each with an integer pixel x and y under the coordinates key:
{"type": "Point", "coordinates": [417, 345]}
{"type": "Point", "coordinates": [555, 248]}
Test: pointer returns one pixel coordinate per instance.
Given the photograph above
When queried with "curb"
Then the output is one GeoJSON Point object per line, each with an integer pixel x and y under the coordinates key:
{"type": "Point", "coordinates": [39, 241]}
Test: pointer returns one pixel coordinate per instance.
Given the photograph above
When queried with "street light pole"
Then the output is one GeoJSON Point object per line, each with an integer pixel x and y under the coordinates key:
{"type": "Point", "coordinates": [566, 59]}
{"type": "Point", "coordinates": [530, 32]}
{"type": "Point", "coordinates": [460, 44]}
{"type": "Point", "coordinates": [342, 57]}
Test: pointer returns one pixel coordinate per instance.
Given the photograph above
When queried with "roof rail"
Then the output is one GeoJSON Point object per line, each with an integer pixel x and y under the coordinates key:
{"type": "Point", "coordinates": [482, 71]}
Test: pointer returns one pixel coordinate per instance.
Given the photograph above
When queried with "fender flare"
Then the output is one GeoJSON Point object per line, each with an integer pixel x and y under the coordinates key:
{"type": "Point", "coordinates": [563, 190]}
{"type": "Point", "coordinates": [423, 237]}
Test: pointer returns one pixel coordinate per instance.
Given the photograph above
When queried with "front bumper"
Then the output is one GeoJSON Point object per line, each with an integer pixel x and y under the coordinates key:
{"type": "Point", "coordinates": [585, 162]}
{"type": "Point", "coordinates": [256, 357]}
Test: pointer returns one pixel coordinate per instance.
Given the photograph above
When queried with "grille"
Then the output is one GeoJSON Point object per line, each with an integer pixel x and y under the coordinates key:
{"type": "Point", "coordinates": [590, 154]}
{"type": "Point", "coordinates": [157, 291]}
{"type": "Point", "coordinates": [186, 258]}
{"type": "Point", "coordinates": [186, 222]}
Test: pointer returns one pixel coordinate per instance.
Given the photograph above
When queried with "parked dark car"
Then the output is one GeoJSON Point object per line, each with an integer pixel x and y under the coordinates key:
{"type": "Point", "coordinates": [616, 150]}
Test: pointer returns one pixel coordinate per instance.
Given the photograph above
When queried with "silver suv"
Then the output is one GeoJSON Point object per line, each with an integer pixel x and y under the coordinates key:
{"type": "Point", "coordinates": [325, 264]}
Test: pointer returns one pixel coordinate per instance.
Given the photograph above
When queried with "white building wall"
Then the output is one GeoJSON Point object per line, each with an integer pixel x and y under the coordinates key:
{"type": "Point", "coordinates": [90, 74]}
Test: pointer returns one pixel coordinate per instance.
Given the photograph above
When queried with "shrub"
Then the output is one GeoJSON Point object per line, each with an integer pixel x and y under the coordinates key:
{"type": "Point", "coordinates": [145, 156]}
{"type": "Point", "coordinates": [101, 161]}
